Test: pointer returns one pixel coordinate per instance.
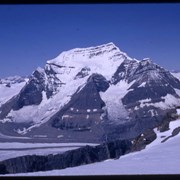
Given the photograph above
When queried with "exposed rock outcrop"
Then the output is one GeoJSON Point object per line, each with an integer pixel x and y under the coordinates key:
{"type": "Point", "coordinates": [77, 157]}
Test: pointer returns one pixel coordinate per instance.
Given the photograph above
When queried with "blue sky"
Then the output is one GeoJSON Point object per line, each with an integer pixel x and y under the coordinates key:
{"type": "Point", "coordinates": [32, 34]}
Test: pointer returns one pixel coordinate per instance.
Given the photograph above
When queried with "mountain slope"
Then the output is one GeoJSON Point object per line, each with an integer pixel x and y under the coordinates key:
{"type": "Point", "coordinates": [148, 161]}
{"type": "Point", "coordinates": [91, 95]}
{"type": "Point", "coordinates": [10, 86]}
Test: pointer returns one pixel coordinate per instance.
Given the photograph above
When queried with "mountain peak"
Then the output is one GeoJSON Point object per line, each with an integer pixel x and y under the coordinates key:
{"type": "Point", "coordinates": [98, 91]}
{"type": "Point", "coordinates": [107, 46]}
{"type": "Point", "coordinates": [103, 59]}
{"type": "Point", "coordinates": [108, 50]}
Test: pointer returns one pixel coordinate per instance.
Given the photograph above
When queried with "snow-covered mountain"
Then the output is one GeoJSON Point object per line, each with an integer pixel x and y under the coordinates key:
{"type": "Point", "coordinates": [176, 74]}
{"type": "Point", "coordinates": [10, 86]}
{"type": "Point", "coordinates": [91, 95]}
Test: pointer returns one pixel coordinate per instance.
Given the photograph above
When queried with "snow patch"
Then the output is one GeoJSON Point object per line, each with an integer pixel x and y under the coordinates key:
{"type": "Point", "coordinates": [7, 93]}
{"type": "Point", "coordinates": [178, 111]}
{"type": "Point", "coordinates": [65, 116]}
{"type": "Point", "coordinates": [177, 91]}
{"type": "Point", "coordinates": [136, 108]}
{"type": "Point", "coordinates": [112, 98]}
{"type": "Point", "coordinates": [152, 112]}
{"type": "Point", "coordinates": [142, 85]}
{"type": "Point", "coordinates": [169, 102]}
{"type": "Point", "coordinates": [144, 101]}
{"type": "Point", "coordinates": [177, 75]}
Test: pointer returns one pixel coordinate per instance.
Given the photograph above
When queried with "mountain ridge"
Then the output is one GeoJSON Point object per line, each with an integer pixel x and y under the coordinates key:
{"type": "Point", "coordinates": [93, 91]}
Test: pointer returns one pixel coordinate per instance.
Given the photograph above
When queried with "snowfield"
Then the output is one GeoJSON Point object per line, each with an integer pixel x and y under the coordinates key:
{"type": "Point", "coordinates": [156, 158]}
{"type": "Point", "coordinates": [7, 93]}
{"type": "Point", "coordinates": [112, 98]}
{"type": "Point", "coordinates": [177, 75]}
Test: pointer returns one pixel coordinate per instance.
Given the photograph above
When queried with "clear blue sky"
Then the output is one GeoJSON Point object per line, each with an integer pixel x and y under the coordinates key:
{"type": "Point", "coordinates": [32, 34]}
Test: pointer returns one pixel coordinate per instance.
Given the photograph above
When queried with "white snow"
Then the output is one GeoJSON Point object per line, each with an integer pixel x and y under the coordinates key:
{"type": "Point", "coordinates": [7, 93]}
{"type": "Point", "coordinates": [21, 115]}
{"type": "Point", "coordinates": [177, 91]}
{"type": "Point", "coordinates": [112, 98]}
{"type": "Point", "coordinates": [146, 59]}
{"type": "Point", "coordinates": [156, 158]}
{"type": "Point", "coordinates": [103, 59]}
{"type": "Point", "coordinates": [152, 112]}
{"type": "Point", "coordinates": [6, 145]}
{"type": "Point", "coordinates": [136, 108]}
{"type": "Point", "coordinates": [170, 102]}
{"type": "Point", "coordinates": [65, 116]}
{"type": "Point", "coordinates": [142, 85]}
{"type": "Point", "coordinates": [40, 69]}
{"type": "Point", "coordinates": [144, 101]}
{"type": "Point", "coordinates": [39, 114]}
{"type": "Point", "coordinates": [60, 136]}
{"type": "Point", "coordinates": [177, 75]}
{"type": "Point", "coordinates": [178, 111]}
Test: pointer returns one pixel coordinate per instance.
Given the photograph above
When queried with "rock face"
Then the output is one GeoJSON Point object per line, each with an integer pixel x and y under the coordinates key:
{"type": "Point", "coordinates": [93, 94]}
{"type": "Point", "coordinates": [85, 106]}
{"type": "Point", "coordinates": [84, 155]}
{"type": "Point", "coordinates": [143, 139]}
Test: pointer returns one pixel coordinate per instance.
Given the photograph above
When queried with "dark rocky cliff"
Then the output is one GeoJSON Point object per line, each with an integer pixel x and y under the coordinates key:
{"type": "Point", "coordinates": [77, 157]}
{"type": "Point", "coordinates": [81, 156]}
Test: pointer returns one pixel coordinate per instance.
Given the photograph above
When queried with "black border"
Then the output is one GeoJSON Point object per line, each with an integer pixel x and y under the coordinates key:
{"type": "Point", "coordinates": [83, 177]}
{"type": "Point", "coordinates": [13, 2]}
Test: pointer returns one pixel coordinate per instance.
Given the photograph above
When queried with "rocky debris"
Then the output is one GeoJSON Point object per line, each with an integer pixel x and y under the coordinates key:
{"type": "Point", "coordinates": [83, 73]}
{"type": "Point", "coordinates": [168, 117]}
{"type": "Point", "coordinates": [51, 81]}
{"type": "Point", "coordinates": [175, 132]}
{"type": "Point", "coordinates": [101, 83]}
{"type": "Point", "coordinates": [143, 139]}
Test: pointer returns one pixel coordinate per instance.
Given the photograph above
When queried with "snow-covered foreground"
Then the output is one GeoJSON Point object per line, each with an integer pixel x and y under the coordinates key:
{"type": "Point", "coordinates": [156, 158]}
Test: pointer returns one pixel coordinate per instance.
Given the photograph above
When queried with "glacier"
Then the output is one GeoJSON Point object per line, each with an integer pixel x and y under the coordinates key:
{"type": "Point", "coordinates": [157, 158]}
